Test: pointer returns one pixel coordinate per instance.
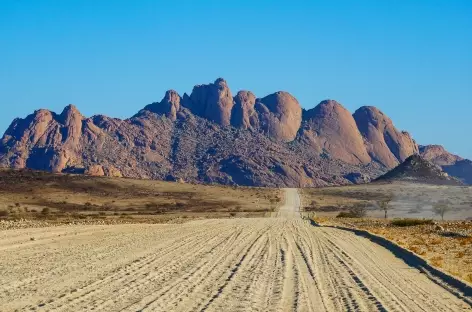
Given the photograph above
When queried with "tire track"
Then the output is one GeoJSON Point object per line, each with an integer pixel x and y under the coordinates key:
{"type": "Point", "coordinates": [265, 265]}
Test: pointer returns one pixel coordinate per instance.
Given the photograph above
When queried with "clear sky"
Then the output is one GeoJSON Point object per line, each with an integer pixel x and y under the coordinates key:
{"type": "Point", "coordinates": [412, 59]}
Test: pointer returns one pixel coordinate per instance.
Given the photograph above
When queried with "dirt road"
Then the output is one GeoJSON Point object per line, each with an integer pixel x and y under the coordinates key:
{"type": "Point", "coordinates": [272, 264]}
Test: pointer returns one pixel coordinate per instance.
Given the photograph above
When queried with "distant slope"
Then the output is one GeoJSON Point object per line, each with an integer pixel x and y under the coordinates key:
{"type": "Point", "coordinates": [452, 164]}
{"type": "Point", "coordinates": [417, 169]}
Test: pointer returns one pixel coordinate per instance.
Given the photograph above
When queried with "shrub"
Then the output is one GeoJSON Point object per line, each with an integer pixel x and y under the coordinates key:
{"type": "Point", "coordinates": [410, 222]}
{"type": "Point", "coordinates": [45, 211]}
{"type": "Point", "coordinates": [4, 213]}
{"type": "Point", "coordinates": [354, 212]}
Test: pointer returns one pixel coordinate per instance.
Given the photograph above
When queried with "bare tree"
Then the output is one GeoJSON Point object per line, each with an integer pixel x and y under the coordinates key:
{"type": "Point", "coordinates": [441, 207]}
{"type": "Point", "coordinates": [384, 205]}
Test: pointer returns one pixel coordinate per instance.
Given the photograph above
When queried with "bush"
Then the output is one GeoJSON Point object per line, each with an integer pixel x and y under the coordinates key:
{"type": "Point", "coordinates": [344, 214]}
{"type": "Point", "coordinates": [45, 211]}
{"type": "Point", "coordinates": [410, 222]}
{"type": "Point", "coordinates": [4, 213]}
{"type": "Point", "coordinates": [354, 212]}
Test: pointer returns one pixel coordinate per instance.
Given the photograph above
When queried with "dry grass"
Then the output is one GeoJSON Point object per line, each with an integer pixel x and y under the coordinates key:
{"type": "Point", "coordinates": [408, 200]}
{"type": "Point", "coordinates": [40, 195]}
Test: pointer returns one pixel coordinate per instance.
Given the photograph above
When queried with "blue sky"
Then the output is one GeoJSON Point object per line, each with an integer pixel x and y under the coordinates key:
{"type": "Point", "coordinates": [412, 59]}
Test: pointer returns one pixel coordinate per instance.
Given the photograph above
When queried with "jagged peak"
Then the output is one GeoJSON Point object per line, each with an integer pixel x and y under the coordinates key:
{"type": "Point", "coordinates": [171, 96]}
{"type": "Point", "coordinates": [70, 114]}
{"type": "Point", "coordinates": [170, 93]}
{"type": "Point", "coordinates": [220, 81]}
{"type": "Point", "coordinates": [70, 109]}
{"type": "Point", "coordinates": [42, 111]}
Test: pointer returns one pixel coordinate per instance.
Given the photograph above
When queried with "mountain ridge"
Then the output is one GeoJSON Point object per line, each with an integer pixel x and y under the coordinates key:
{"type": "Point", "coordinates": [211, 136]}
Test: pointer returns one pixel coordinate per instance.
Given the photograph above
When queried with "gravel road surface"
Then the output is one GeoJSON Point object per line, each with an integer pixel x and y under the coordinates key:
{"type": "Point", "coordinates": [271, 264]}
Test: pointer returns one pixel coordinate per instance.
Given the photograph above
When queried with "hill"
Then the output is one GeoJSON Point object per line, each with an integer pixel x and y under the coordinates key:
{"type": "Point", "coordinates": [417, 169]}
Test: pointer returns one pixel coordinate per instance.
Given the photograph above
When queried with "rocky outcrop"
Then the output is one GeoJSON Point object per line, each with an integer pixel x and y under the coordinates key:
{"type": "Point", "coordinates": [44, 140]}
{"type": "Point", "coordinates": [330, 128]}
{"type": "Point", "coordinates": [357, 178]}
{"type": "Point", "coordinates": [149, 146]}
{"type": "Point", "coordinates": [385, 144]}
{"type": "Point", "coordinates": [277, 115]}
{"type": "Point", "coordinates": [417, 169]}
{"type": "Point", "coordinates": [452, 164]}
{"type": "Point", "coordinates": [169, 106]}
{"type": "Point", "coordinates": [244, 114]}
{"type": "Point", "coordinates": [211, 137]}
{"type": "Point", "coordinates": [212, 101]}
{"type": "Point", "coordinates": [438, 155]}
{"type": "Point", "coordinates": [280, 116]}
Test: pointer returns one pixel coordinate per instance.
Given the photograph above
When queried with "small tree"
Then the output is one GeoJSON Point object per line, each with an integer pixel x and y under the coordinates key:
{"type": "Point", "coordinates": [441, 207]}
{"type": "Point", "coordinates": [385, 205]}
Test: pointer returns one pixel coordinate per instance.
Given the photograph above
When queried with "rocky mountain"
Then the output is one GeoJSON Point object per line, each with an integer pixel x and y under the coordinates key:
{"type": "Point", "coordinates": [438, 155]}
{"type": "Point", "coordinates": [452, 164]}
{"type": "Point", "coordinates": [417, 169]}
{"type": "Point", "coordinates": [210, 136]}
{"type": "Point", "coordinates": [385, 144]}
{"type": "Point", "coordinates": [330, 128]}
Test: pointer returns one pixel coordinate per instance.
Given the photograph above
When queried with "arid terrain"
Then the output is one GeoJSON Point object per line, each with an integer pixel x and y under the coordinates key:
{"type": "Point", "coordinates": [280, 263]}
{"type": "Point", "coordinates": [406, 200]}
{"type": "Point", "coordinates": [60, 198]}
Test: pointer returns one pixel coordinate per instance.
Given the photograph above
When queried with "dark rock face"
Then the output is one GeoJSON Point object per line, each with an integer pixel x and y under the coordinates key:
{"type": "Point", "coordinates": [211, 137]}
{"type": "Point", "coordinates": [330, 128]}
{"type": "Point", "coordinates": [417, 169]}
{"type": "Point", "coordinates": [357, 178]}
{"type": "Point", "coordinates": [384, 142]}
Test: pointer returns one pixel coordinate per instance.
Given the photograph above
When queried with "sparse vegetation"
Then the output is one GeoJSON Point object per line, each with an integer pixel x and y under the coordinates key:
{"type": "Point", "coordinates": [441, 207]}
{"type": "Point", "coordinates": [64, 197]}
{"type": "Point", "coordinates": [384, 205]}
{"type": "Point", "coordinates": [410, 222]}
{"type": "Point", "coordinates": [354, 212]}
{"type": "Point", "coordinates": [406, 200]}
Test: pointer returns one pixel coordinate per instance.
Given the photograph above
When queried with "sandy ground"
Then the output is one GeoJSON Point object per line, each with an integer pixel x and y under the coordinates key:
{"type": "Point", "coordinates": [270, 264]}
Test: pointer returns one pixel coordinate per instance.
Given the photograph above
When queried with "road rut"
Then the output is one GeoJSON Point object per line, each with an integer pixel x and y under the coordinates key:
{"type": "Point", "coordinates": [270, 264]}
